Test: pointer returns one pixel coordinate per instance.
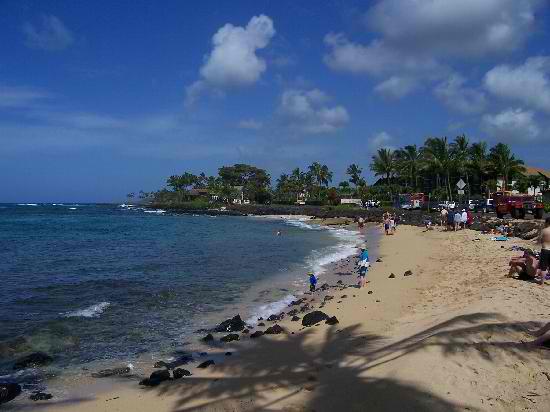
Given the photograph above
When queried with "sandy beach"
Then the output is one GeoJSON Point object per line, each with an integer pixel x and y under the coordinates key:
{"type": "Point", "coordinates": [445, 338]}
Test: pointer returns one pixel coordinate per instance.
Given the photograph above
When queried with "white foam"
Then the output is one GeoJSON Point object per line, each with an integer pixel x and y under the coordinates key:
{"type": "Point", "coordinates": [268, 309]}
{"type": "Point", "coordinates": [93, 311]}
{"type": "Point", "coordinates": [157, 211]}
{"type": "Point", "coordinates": [72, 208]}
{"type": "Point", "coordinates": [27, 204]}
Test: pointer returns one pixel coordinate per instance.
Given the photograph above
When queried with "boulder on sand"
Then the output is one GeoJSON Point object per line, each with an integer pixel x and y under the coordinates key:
{"type": "Point", "coordinates": [295, 319]}
{"type": "Point", "coordinates": [206, 364]}
{"type": "Point", "coordinates": [180, 373]}
{"type": "Point", "coordinates": [40, 396]}
{"type": "Point", "coordinates": [230, 338]}
{"type": "Point", "coordinates": [156, 378]}
{"type": "Point", "coordinates": [33, 360]}
{"type": "Point", "coordinates": [257, 334]}
{"type": "Point", "coordinates": [332, 321]}
{"type": "Point", "coordinates": [273, 318]}
{"type": "Point", "coordinates": [105, 373]}
{"type": "Point", "coordinates": [314, 317]}
{"type": "Point", "coordinates": [208, 338]}
{"type": "Point", "coordinates": [274, 330]}
{"type": "Point", "coordinates": [9, 391]}
{"type": "Point", "coordinates": [231, 325]}
{"type": "Point", "coordinates": [408, 273]}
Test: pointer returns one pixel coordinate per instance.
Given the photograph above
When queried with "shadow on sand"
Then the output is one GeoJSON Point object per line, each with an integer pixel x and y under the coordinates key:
{"type": "Point", "coordinates": [292, 373]}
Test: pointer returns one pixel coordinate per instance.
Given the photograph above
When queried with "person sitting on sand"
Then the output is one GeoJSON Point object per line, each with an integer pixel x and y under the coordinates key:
{"type": "Point", "coordinates": [312, 281]}
{"type": "Point", "coordinates": [524, 266]}
{"type": "Point", "coordinates": [364, 265]}
{"type": "Point", "coordinates": [544, 240]}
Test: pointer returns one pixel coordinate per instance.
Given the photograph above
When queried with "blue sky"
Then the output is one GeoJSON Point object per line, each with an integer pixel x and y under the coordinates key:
{"type": "Point", "coordinates": [100, 98]}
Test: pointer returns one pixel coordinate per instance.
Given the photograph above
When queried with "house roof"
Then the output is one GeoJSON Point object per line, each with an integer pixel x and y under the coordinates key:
{"type": "Point", "coordinates": [536, 171]}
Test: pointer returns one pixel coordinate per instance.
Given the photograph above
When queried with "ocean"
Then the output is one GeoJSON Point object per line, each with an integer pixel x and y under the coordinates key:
{"type": "Point", "coordinates": [89, 283]}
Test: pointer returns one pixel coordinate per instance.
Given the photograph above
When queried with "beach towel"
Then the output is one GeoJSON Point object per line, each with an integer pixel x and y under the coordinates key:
{"type": "Point", "coordinates": [499, 238]}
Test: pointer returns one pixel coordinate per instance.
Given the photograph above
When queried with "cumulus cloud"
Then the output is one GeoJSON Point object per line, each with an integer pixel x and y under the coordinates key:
{"type": "Point", "coordinates": [233, 61]}
{"type": "Point", "coordinates": [250, 124]}
{"type": "Point", "coordinates": [308, 111]}
{"type": "Point", "coordinates": [528, 83]}
{"type": "Point", "coordinates": [381, 140]}
{"type": "Point", "coordinates": [455, 95]}
{"type": "Point", "coordinates": [418, 39]}
{"type": "Point", "coordinates": [454, 27]}
{"type": "Point", "coordinates": [512, 125]}
{"type": "Point", "coordinates": [51, 35]}
{"type": "Point", "coordinates": [396, 87]}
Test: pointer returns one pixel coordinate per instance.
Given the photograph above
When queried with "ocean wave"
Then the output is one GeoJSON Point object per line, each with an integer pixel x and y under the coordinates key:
{"type": "Point", "coordinates": [27, 204]}
{"type": "Point", "coordinates": [268, 309]}
{"type": "Point", "coordinates": [301, 223]}
{"type": "Point", "coordinates": [93, 311]}
{"type": "Point", "coordinates": [157, 211]}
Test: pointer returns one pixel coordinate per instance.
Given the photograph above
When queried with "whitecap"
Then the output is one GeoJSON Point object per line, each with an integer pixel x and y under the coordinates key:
{"type": "Point", "coordinates": [157, 211]}
{"type": "Point", "coordinates": [72, 208]}
{"type": "Point", "coordinates": [93, 311]}
{"type": "Point", "coordinates": [268, 309]}
{"type": "Point", "coordinates": [27, 204]}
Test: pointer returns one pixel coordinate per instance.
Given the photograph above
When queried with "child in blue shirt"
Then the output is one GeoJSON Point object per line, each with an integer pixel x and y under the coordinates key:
{"type": "Point", "coordinates": [312, 282]}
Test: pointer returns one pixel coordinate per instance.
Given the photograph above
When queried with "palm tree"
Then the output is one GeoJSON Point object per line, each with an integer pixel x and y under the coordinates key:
{"type": "Point", "coordinates": [354, 172]}
{"type": "Point", "coordinates": [504, 163]}
{"type": "Point", "coordinates": [410, 161]}
{"type": "Point", "coordinates": [478, 161]}
{"type": "Point", "coordinates": [383, 164]}
{"type": "Point", "coordinates": [326, 175]}
{"type": "Point", "coordinates": [437, 152]}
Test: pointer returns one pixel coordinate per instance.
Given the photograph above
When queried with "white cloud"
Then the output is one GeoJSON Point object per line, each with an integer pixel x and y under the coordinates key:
{"type": "Point", "coordinates": [308, 112]}
{"type": "Point", "coordinates": [51, 35]}
{"type": "Point", "coordinates": [456, 96]}
{"type": "Point", "coordinates": [20, 97]}
{"type": "Point", "coordinates": [528, 83]}
{"type": "Point", "coordinates": [374, 59]}
{"type": "Point", "coordinates": [233, 61]}
{"type": "Point", "coordinates": [512, 125]}
{"type": "Point", "coordinates": [454, 27]}
{"type": "Point", "coordinates": [380, 140]}
{"type": "Point", "coordinates": [250, 124]}
{"type": "Point", "coordinates": [396, 87]}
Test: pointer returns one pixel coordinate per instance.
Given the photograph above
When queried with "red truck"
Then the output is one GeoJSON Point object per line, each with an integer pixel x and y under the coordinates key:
{"type": "Point", "coordinates": [518, 205]}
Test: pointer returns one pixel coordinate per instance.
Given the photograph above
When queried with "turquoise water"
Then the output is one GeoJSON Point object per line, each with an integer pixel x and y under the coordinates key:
{"type": "Point", "coordinates": [91, 282]}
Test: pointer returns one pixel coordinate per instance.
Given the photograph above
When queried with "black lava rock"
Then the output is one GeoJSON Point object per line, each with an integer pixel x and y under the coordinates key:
{"type": "Point", "coordinates": [314, 317]}
{"type": "Point", "coordinates": [156, 378]}
{"type": "Point", "coordinates": [105, 373]}
{"type": "Point", "coordinates": [370, 292]}
{"type": "Point", "coordinates": [244, 332]}
{"type": "Point", "coordinates": [407, 273]}
{"type": "Point", "coordinates": [208, 338]}
{"type": "Point", "coordinates": [9, 391]}
{"type": "Point", "coordinates": [231, 325]}
{"type": "Point", "coordinates": [292, 312]}
{"type": "Point", "coordinates": [392, 276]}
{"type": "Point", "coordinates": [339, 282]}
{"type": "Point", "coordinates": [261, 324]}
{"type": "Point", "coordinates": [230, 338]}
{"type": "Point", "coordinates": [180, 373]}
{"type": "Point", "coordinates": [328, 297]}
{"type": "Point", "coordinates": [273, 318]}
{"type": "Point", "coordinates": [33, 360]}
{"type": "Point", "coordinates": [228, 353]}
{"type": "Point", "coordinates": [295, 319]}
{"type": "Point", "coordinates": [257, 334]}
{"type": "Point", "coordinates": [332, 321]}
{"type": "Point", "coordinates": [40, 396]}
{"type": "Point", "coordinates": [206, 364]}
{"type": "Point", "coordinates": [274, 330]}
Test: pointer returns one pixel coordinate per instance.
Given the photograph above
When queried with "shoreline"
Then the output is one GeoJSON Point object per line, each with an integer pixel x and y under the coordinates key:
{"type": "Point", "coordinates": [445, 338]}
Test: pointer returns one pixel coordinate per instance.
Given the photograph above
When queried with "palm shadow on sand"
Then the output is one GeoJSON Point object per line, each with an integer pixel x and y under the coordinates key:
{"type": "Point", "coordinates": [334, 375]}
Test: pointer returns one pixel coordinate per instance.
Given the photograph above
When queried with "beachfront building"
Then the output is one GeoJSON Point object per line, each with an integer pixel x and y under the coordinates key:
{"type": "Point", "coordinates": [239, 196]}
{"type": "Point", "coordinates": [530, 172]}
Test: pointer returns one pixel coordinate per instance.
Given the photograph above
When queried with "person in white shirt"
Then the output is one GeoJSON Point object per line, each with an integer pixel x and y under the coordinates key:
{"type": "Point", "coordinates": [464, 218]}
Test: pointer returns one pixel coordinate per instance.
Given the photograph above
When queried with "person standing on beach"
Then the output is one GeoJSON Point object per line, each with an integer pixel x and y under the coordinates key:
{"type": "Point", "coordinates": [450, 220]}
{"type": "Point", "coordinates": [444, 216]}
{"type": "Point", "coordinates": [458, 219]}
{"type": "Point", "coordinates": [463, 218]}
{"type": "Point", "coordinates": [544, 263]}
{"type": "Point", "coordinates": [312, 281]}
{"type": "Point", "coordinates": [364, 265]}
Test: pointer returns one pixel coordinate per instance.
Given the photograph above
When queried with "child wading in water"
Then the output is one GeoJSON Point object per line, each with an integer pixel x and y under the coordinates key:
{"type": "Point", "coordinates": [363, 266]}
{"type": "Point", "coordinates": [312, 282]}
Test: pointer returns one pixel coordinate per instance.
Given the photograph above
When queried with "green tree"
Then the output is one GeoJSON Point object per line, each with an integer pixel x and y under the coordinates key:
{"type": "Point", "coordinates": [383, 164]}
{"type": "Point", "coordinates": [354, 171]}
{"type": "Point", "coordinates": [255, 181]}
{"type": "Point", "coordinates": [479, 162]}
{"type": "Point", "coordinates": [460, 154]}
{"type": "Point", "coordinates": [439, 160]}
{"type": "Point", "coordinates": [409, 161]}
{"type": "Point", "coordinates": [504, 164]}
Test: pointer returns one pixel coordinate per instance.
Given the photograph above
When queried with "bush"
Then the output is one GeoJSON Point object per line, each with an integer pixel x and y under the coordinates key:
{"type": "Point", "coordinates": [314, 202]}
{"type": "Point", "coordinates": [547, 207]}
